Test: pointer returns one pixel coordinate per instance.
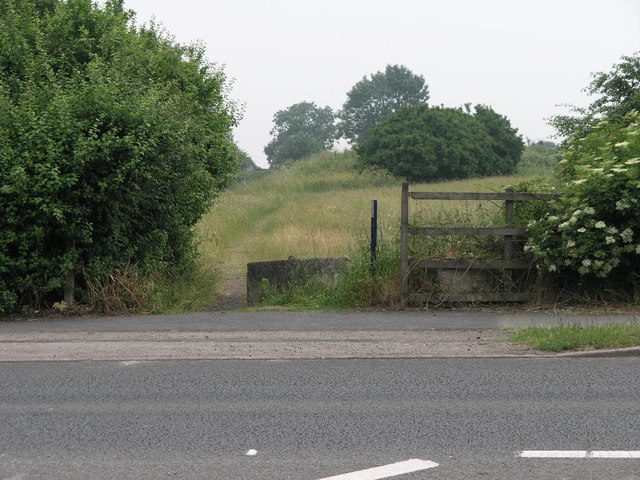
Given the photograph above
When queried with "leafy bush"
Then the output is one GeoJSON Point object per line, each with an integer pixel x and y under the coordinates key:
{"type": "Point", "coordinates": [594, 230]}
{"type": "Point", "coordinates": [426, 144]}
{"type": "Point", "coordinates": [113, 142]}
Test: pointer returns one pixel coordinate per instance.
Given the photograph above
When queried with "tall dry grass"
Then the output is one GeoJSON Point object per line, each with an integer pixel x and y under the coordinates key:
{"type": "Point", "coordinates": [321, 207]}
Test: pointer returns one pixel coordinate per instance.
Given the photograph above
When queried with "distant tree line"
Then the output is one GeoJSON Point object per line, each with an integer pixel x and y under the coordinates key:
{"type": "Point", "coordinates": [387, 119]}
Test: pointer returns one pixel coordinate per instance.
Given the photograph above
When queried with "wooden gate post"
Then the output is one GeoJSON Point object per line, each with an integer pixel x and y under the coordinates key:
{"type": "Point", "coordinates": [508, 239]}
{"type": "Point", "coordinates": [404, 242]}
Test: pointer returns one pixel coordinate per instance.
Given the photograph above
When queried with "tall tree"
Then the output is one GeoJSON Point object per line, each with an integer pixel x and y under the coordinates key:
{"type": "Point", "coordinates": [114, 140]}
{"type": "Point", "coordinates": [373, 99]}
{"type": "Point", "coordinates": [505, 141]}
{"type": "Point", "coordinates": [618, 93]}
{"type": "Point", "coordinates": [299, 131]}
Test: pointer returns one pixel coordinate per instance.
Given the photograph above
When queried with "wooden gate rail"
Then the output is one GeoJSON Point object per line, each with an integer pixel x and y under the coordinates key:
{"type": "Point", "coordinates": [506, 263]}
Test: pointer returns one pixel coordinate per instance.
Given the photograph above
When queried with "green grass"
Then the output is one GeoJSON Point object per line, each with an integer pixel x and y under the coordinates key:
{"type": "Point", "coordinates": [574, 337]}
{"type": "Point", "coordinates": [320, 207]}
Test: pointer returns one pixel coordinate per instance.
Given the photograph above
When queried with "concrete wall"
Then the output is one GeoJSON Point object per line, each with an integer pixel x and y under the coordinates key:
{"type": "Point", "coordinates": [281, 273]}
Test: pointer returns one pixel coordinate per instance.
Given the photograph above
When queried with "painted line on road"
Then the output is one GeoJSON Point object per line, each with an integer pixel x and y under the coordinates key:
{"type": "Point", "coordinates": [386, 471]}
{"type": "Point", "coordinates": [614, 454]}
{"type": "Point", "coordinates": [619, 454]}
{"type": "Point", "coordinates": [553, 454]}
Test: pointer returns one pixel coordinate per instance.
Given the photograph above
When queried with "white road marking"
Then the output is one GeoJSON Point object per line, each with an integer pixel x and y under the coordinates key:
{"type": "Point", "coordinates": [619, 454]}
{"type": "Point", "coordinates": [615, 454]}
{"type": "Point", "coordinates": [251, 453]}
{"type": "Point", "coordinates": [386, 471]}
{"type": "Point", "coordinates": [554, 454]}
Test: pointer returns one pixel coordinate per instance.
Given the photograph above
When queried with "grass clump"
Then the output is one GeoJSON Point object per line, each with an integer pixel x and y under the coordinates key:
{"type": "Point", "coordinates": [363, 284]}
{"type": "Point", "coordinates": [575, 337]}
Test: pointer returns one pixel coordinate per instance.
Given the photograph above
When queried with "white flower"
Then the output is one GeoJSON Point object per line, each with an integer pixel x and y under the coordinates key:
{"type": "Point", "coordinates": [589, 210]}
{"type": "Point", "coordinates": [618, 170]}
{"type": "Point", "coordinates": [552, 268]}
{"type": "Point", "coordinates": [582, 230]}
{"type": "Point", "coordinates": [621, 205]}
{"type": "Point", "coordinates": [600, 224]}
{"type": "Point", "coordinates": [553, 218]}
{"type": "Point", "coordinates": [627, 235]}
{"type": "Point", "coordinates": [586, 262]}
{"type": "Point", "coordinates": [597, 170]}
{"type": "Point", "coordinates": [610, 240]}
{"type": "Point", "coordinates": [563, 161]}
{"type": "Point", "coordinates": [622, 144]}
{"type": "Point", "coordinates": [638, 249]}
{"type": "Point", "coordinates": [571, 243]}
{"type": "Point", "coordinates": [580, 182]}
{"type": "Point", "coordinates": [633, 161]}
{"type": "Point", "coordinates": [612, 230]}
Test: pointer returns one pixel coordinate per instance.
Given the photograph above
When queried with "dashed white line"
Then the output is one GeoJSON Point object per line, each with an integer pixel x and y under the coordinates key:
{"type": "Point", "coordinates": [553, 454]}
{"type": "Point", "coordinates": [386, 471]}
{"type": "Point", "coordinates": [617, 454]}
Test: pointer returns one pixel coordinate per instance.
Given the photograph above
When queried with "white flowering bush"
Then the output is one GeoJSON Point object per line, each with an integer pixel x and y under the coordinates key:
{"type": "Point", "coordinates": [594, 230]}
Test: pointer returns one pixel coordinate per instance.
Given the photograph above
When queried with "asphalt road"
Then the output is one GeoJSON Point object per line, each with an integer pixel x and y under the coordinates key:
{"type": "Point", "coordinates": [435, 320]}
{"type": "Point", "coordinates": [312, 419]}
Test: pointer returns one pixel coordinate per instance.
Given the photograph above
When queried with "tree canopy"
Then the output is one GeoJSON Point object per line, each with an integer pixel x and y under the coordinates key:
{"type": "Point", "coordinates": [426, 144]}
{"type": "Point", "coordinates": [376, 97]}
{"type": "Point", "coordinates": [299, 131]}
{"type": "Point", "coordinates": [114, 140]}
{"type": "Point", "coordinates": [617, 91]}
{"type": "Point", "coordinates": [505, 141]}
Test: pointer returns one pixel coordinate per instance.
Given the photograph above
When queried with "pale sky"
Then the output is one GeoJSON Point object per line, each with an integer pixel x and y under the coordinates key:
{"type": "Point", "coordinates": [521, 57]}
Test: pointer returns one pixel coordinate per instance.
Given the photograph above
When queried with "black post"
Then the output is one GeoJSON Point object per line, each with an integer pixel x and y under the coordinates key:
{"type": "Point", "coordinates": [374, 233]}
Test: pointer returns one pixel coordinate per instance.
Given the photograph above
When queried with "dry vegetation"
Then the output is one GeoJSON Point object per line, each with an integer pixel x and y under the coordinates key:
{"type": "Point", "coordinates": [321, 208]}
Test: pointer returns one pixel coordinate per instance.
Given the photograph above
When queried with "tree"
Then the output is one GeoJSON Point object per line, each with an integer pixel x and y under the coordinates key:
{"type": "Point", "coordinates": [426, 144]}
{"type": "Point", "coordinates": [299, 131]}
{"type": "Point", "coordinates": [113, 142]}
{"type": "Point", "coordinates": [619, 93]}
{"type": "Point", "coordinates": [373, 99]}
{"type": "Point", "coordinates": [505, 141]}
{"type": "Point", "coordinates": [243, 160]}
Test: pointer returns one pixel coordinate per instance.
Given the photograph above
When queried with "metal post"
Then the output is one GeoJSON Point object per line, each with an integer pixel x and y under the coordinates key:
{"type": "Point", "coordinates": [374, 234]}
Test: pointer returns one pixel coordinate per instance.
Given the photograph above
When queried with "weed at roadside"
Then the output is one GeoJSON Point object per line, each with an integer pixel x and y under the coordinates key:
{"type": "Point", "coordinates": [569, 337]}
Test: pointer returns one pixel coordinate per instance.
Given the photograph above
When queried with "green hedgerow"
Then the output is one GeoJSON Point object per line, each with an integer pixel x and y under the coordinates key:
{"type": "Point", "coordinates": [595, 229]}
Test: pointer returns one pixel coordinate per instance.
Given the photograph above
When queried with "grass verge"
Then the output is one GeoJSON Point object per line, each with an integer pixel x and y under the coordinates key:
{"type": "Point", "coordinates": [576, 337]}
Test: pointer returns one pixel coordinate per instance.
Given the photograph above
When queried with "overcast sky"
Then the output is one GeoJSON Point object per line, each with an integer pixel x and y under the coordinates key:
{"type": "Point", "coordinates": [522, 57]}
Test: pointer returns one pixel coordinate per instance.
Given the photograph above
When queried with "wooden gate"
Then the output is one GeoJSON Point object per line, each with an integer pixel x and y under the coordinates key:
{"type": "Point", "coordinates": [507, 264]}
